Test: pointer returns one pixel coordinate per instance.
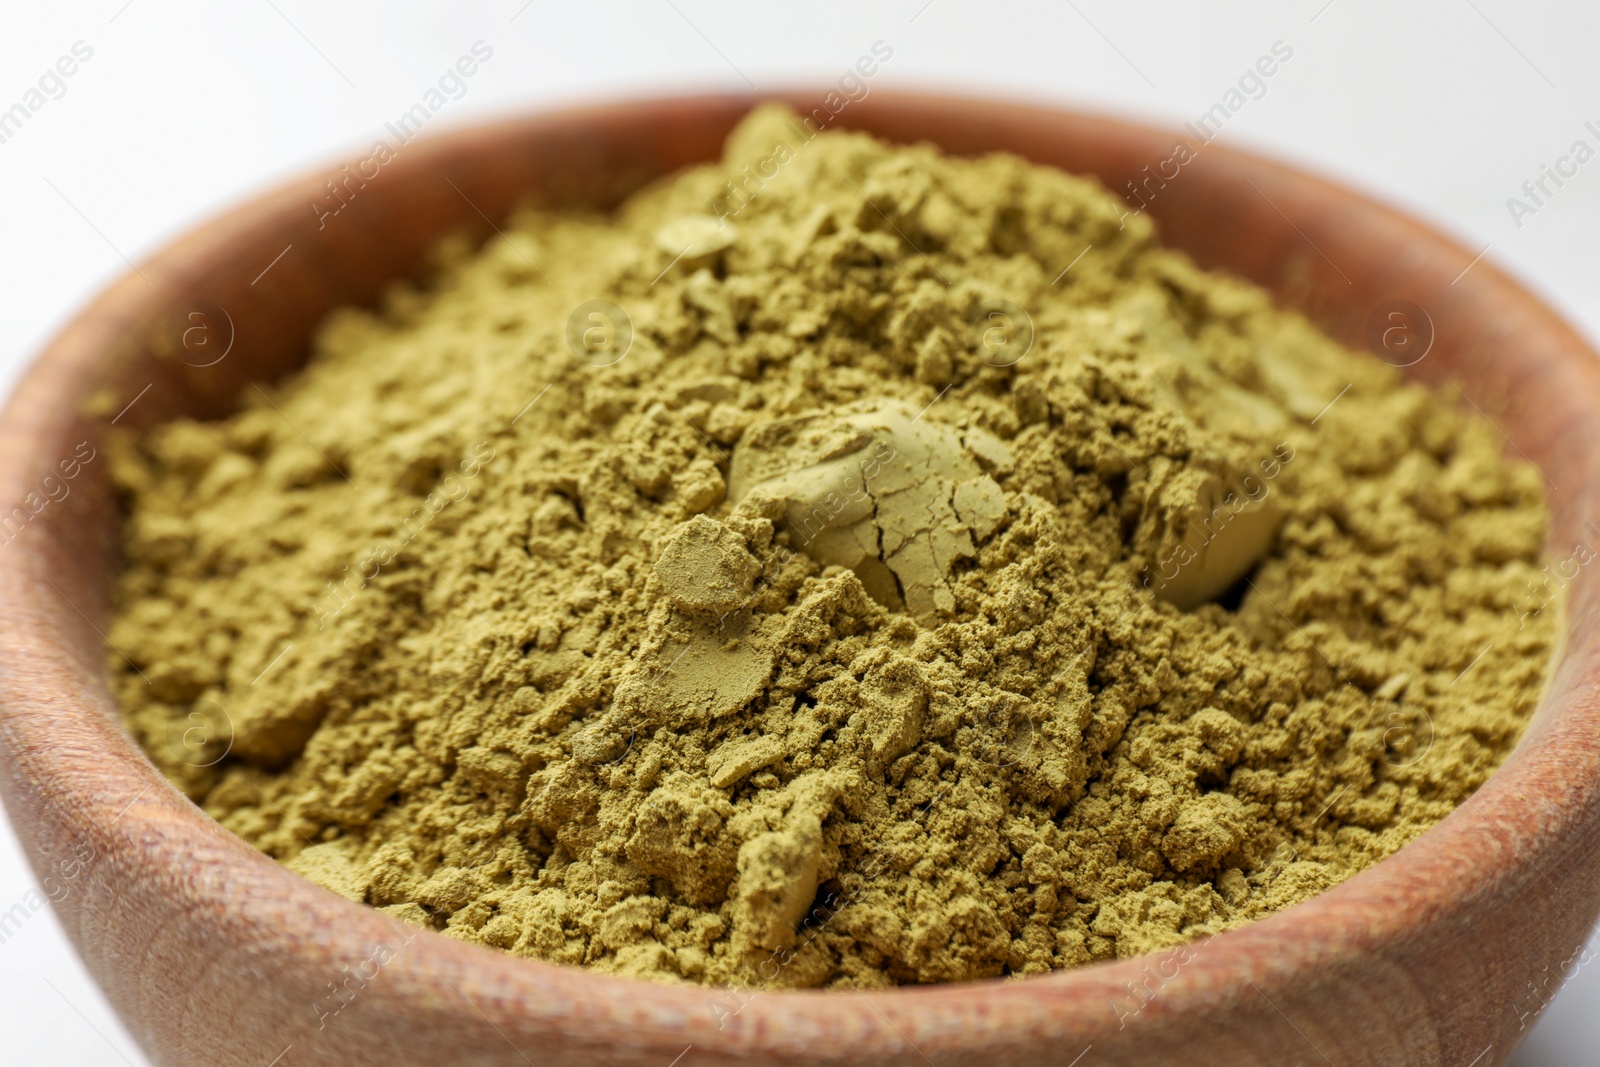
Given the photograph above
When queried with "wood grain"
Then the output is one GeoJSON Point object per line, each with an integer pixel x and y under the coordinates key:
{"type": "Point", "coordinates": [216, 955]}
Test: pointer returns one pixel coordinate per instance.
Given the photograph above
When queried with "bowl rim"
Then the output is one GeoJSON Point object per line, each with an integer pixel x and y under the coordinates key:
{"type": "Point", "coordinates": [55, 728]}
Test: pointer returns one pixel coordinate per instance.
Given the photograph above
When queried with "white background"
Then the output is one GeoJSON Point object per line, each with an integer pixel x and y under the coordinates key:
{"type": "Point", "coordinates": [1443, 106]}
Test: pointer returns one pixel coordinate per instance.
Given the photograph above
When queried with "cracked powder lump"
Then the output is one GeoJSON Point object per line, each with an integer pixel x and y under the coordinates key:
{"type": "Point", "coordinates": [841, 596]}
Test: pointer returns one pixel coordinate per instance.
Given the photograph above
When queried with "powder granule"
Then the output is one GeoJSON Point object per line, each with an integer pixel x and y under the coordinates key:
{"type": "Point", "coordinates": [1058, 615]}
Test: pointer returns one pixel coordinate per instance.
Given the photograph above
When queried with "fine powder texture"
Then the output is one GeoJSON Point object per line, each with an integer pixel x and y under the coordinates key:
{"type": "Point", "coordinates": [799, 578]}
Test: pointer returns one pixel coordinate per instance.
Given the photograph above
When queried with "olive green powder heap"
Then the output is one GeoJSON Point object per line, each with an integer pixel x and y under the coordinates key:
{"type": "Point", "coordinates": [800, 578]}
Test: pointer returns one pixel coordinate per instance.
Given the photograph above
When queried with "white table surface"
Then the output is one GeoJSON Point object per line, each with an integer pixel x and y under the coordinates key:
{"type": "Point", "coordinates": [184, 107]}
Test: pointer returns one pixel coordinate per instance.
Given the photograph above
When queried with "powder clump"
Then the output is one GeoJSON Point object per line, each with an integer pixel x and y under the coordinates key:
{"type": "Point", "coordinates": [705, 568]}
{"type": "Point", "coordinates": [857, 598]}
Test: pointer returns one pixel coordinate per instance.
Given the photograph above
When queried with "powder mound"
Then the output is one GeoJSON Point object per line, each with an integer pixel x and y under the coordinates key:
{"type": "Point", "coordinates": [892, 607]}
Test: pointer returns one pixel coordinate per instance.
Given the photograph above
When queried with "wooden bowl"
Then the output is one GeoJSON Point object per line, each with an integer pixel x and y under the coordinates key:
{"type": "Point", "coordinates": [215, 954]}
